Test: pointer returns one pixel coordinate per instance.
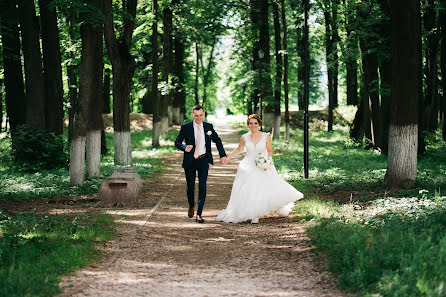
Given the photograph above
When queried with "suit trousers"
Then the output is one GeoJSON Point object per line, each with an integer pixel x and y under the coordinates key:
{"type": "Point", "coordinates": [202, 167]}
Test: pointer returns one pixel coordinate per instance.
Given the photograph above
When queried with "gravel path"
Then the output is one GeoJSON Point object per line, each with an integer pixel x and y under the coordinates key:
{"type": "Point", "coordinates": [161, 252]}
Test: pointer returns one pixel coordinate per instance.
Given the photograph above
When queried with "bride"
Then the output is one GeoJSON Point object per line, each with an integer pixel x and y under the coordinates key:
{"type": "Point", "coordinates": [257, 192]}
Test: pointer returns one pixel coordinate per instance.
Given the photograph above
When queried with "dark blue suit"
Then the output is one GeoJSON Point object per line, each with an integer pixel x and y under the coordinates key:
{"type": "Point", "coordinates": [192, 166]}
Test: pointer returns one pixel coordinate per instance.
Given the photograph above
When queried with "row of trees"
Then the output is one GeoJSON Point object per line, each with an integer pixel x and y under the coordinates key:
{"type": "Point", "coordinates": [162, 58]}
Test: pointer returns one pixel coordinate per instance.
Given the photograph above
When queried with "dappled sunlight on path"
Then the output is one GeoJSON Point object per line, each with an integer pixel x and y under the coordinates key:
{"type": "Point", "coordinates": [161, 252]}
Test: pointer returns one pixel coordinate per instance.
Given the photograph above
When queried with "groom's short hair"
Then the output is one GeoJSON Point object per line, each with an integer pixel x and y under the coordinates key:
{"type": "Point", "coordinates": [197, 107]}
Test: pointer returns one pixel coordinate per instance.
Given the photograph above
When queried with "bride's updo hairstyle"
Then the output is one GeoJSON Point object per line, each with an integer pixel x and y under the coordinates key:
{"type": "Point", "coordinates": [254, 116]}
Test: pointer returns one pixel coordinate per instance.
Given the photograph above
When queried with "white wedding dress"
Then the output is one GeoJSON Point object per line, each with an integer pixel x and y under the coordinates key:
{"type": "Point", "coordinates": [256, 192]}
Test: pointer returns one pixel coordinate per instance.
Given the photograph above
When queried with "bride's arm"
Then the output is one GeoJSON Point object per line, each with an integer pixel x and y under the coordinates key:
{"type": "Point", "coordinates": [238, 149]}
{"type": "Point", "coordinates": [269, 146]}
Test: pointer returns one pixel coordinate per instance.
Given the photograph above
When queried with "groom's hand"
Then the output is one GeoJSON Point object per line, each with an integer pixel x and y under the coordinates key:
{"type": "Point", "coordinates": [189, 148]}
{"type": "Point", "coordinates": [224, 160]}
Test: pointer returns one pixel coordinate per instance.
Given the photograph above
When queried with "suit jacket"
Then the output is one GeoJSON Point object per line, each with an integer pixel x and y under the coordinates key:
{"type": "Point", "coordinates": [187, 134]}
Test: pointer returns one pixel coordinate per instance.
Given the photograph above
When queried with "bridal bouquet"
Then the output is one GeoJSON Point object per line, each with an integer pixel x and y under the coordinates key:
{"type": "Point", "coordinates": [264, 161]}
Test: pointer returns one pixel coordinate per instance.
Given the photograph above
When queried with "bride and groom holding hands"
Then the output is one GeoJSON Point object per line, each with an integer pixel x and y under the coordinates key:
{"type": "Point", "coordinates": [255, 192]}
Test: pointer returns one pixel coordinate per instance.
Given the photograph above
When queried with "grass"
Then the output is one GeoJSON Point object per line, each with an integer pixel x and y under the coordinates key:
{"type": "Point", "coordinates": [390, 254]}
{"type": "Point", "coordinates": [35, 251]}
{"type": "Point", "coordinates": [18, 184]}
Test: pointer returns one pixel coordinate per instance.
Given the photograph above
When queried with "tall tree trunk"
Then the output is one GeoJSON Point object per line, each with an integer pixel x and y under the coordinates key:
{"type": "Point", "coordinates": [266, 91]}
{"type": "Point", "coordinates": [179, 95]}
{"type": "Point", "coordinates": [1, 104]}
{"type": "Point", "coordinates": [165, 71]}
{"type": "Point", "coordinates": [95, 124]}
{"type": "Point", "coordinates": [87, 89]}
{"type": "Point", "coordinates": [35, 100]}
{"type": "Point", "coordinates": [431, 96]}
{"type": "Point", "coordinates": [255, 63]}
{"type": "Point", "coordinates": [285, 72]}
{"type": "Point", "coordinates": [297, 7]}
{"type": "Point", "coordinates": [331, 44]}
{"type": "Point", "coordinates": [279, 71]}
{"type": "Point", "coordinates": [123, 68]}
{"type": "Point", "coordinates": [403, 130]}
{"type": "Point", "coordinates": [106, 92]}
{"type": "Point", "coordinates": [52, 68]}
{"type": "Point", "coordinates": [72, 80]}
{"type": "Point", "coordinates": [197, 72]}
{"type": "Point", "coordinates": [155, 69]}
{"type": "Point", "coordinates": [442, 20]}
{"type": "Point", "coordinates": [351, 55]}
{"type": "Point", "coordinates": [12, 66]}
{"type": "Point", "coordinates": [208, 72]}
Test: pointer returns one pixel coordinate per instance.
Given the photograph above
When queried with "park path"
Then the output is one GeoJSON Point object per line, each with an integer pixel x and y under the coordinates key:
{"type": "Point", "coordinates": [161, 252]}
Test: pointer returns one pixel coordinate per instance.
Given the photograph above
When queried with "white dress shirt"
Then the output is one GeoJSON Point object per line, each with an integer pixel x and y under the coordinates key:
{"type": "Point", "coordinates": [202, 148]}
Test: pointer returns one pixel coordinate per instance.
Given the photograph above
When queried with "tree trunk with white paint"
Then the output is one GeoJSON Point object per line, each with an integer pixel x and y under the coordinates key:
{"type": "Point", "coordinates": [403, 130]}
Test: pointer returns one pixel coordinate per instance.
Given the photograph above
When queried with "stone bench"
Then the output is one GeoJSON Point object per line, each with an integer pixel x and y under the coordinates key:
{"type": "Point", "coordinates": [121, 189]}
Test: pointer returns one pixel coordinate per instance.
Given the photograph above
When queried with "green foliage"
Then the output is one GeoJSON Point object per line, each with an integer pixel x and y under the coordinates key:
{"type": "Point", "coordinates": [36, 150]}
{"type": "Point", "coordinates": [404, 257]}
{"type": "Point", "coordinates": [35, 251]}
{"type": "Point", "coordinates": [19, 185]}
{"type": "Point", "coordinates": [338, 167]}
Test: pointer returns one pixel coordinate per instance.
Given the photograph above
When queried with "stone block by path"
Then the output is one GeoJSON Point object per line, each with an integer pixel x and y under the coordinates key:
{"type": "Point", "coordinates": [121, 189]}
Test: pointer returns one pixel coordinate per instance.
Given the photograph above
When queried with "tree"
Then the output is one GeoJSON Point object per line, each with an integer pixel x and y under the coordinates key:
{"type": "Point", "coordinates": [285, 72]}
{"type": "Point", "coordinates": [91, 43]}
{"type": "Point", "coordinates": [403, 130]}
{"type": "Point", "coordinates": [442, 19]}
{"type": "Point", "coordinates": [123, 68]}
{"type": "Point", "coordinates": [330, 9]}
{"type": "Point", "coordinates": [52, 68]}
{"type": "Point", "coordinates": [155, 68]}
{"type": "Point", "coordinates": [106, 92]}
{"type": "Point", "coordinates": [279, 71]}
{"type": "Point", "coordinates": [35, 100]}
{"type": "Point", "coordinates": [350, 53]}
{"type": "Point", "coordinates": [179, 96]}
{"type": "Point", "coordinates": [95, 123]}
{"type": "Point", "coordinates": [166, 100]}
{"type": "Point", "coordinates": [12, 65]}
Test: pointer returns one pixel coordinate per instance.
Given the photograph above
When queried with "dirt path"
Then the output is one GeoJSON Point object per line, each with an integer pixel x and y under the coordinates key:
{"type": "Point", "coordinates": [161, 252]}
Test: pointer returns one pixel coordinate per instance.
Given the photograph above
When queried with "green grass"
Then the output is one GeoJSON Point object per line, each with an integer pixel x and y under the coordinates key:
{"type": "Point", "coordinates": [18, 184]}
{"type": "Point", "coordinates": [392, 254]}
{"type": "Point", "coordinates": [337, 169]}
{"type": "Point", "coordinates": [35, 251]}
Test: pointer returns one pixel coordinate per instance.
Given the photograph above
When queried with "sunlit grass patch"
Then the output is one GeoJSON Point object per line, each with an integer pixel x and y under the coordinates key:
{"type": "Point", "coordinates": [35, 251]}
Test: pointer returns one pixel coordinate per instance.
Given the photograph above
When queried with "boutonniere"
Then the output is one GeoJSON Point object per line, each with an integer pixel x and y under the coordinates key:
{"type": "Point", "coordinates": [209, 133]}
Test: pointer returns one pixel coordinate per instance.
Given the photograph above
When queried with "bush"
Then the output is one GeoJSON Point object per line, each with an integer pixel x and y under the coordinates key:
{"type": "Point", "coordinates": [34, 150]}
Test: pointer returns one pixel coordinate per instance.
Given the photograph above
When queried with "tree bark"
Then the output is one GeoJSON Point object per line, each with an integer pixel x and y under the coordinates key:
{"type": "Point", "coordinates": [285, 71]}
{"type": "Point", "coordinates": [165, 71]}
{"type": "Point", "coordinates": [155, 69]}
{"type": "Point", "coordinates": [179, 101]}
{"type": "Point", "coordinates": [442, 20]}
{"type": "Point", "coordinates": [266, 92]}
{"type": "Point", "coordinates": [279, 71]}
{"type": "Point", "coordinates": [72, 80]}
{"type": "Point", "coordinates": [331, 44]}
{"type": "Point", "coordinates": [197, 68]}
{"type": "Point", "coordinates": [351, 55]}
{"type": "Point", "coordinates": [52, 68]}
{"type": "Point", "coordinates": [106, 92]}
{"type": "Point", "coordinates": [207, 73]}
{"type": "Point", "coordinates": [95, 124]}
{"type": "Point", "coordinates": [255, 63]}
{"type": "Point", "coordinates": [403, 130]}
{"type": "Point", "coordinates": [35, 100]}
{"type": "Point", "coordinates": [429, 122]}
{"type": "Point", "coordinates": [123, 68]}
{"type": "Point", "coordinates": [87, 93]}
{"type": "Point", "coordinates": [12, 66]}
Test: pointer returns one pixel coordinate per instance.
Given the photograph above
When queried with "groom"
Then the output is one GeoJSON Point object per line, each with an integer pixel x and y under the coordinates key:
{"type": "Point", "coordinates": [197, 156]}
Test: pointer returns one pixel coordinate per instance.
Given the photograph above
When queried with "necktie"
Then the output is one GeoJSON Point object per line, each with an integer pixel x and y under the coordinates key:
{"type": "Point", "coordinates": [197, 142]}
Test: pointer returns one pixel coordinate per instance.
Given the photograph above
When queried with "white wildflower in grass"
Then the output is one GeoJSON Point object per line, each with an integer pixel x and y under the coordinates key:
{"type": "Point", "coordinates": [414, 207]}
{"type": "Point", "coordinates": [264, 161]}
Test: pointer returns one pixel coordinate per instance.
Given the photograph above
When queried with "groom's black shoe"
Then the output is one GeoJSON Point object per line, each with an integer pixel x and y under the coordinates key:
{"type": "Point", "coordinates": [190, 212]}
{"type": "Point", "coordinates": [199, 219]}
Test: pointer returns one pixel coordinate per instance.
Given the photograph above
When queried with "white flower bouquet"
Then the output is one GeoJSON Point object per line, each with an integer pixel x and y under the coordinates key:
{"type": "Point", "coordinates": [264, 161]}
